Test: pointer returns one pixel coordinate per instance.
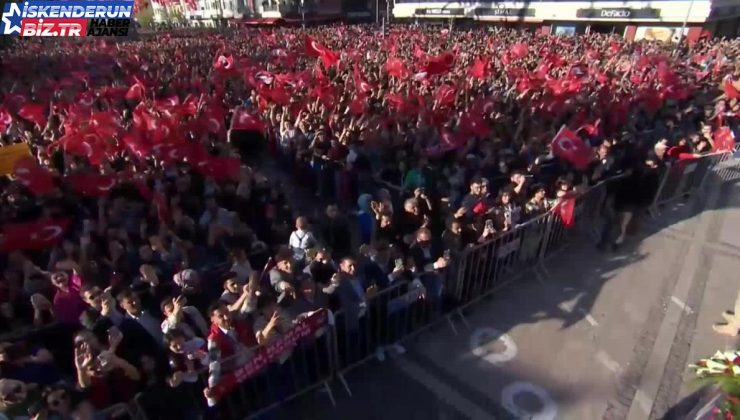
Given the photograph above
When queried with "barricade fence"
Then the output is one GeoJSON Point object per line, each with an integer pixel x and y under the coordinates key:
{"type": "Point", "coordinates": [325, 346]}
{"type": "Point", "coordinates": [685, 177]}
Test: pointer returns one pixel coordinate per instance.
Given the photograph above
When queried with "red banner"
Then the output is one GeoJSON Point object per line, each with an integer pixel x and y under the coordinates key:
{"type": "Point", "coordinates": [266, 355]}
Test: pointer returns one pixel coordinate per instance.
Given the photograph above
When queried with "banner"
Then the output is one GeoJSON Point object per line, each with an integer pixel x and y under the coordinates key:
{"type": "Point", "coordinates": [266, 355]}
{"type": "Point", "coordinates": [9, 155]}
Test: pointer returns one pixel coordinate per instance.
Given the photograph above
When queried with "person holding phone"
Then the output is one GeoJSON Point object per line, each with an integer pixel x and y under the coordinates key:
{"type": "Point", "coordinates": [428, 256]}
{"type": "Point", "coordinates": [107, 377]}
{"type": "Point", "coordinates": [482, 231]}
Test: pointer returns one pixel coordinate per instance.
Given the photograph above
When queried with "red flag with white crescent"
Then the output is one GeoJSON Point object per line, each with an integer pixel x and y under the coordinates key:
{"type": "Point", "coordinates": [480, 68]}
{"type": "Point", "coordinates": [34, 177]}
{"type": "Point", "coordinates": [362, 86]}
{"type": "Point", "coordinates": [243, 120]}
{"type": "Point", "coordinates": [439, 64]}
{"type": "Point", "coordinates": [219, 168]}
{"type": "Point", "coordinates": [358, 105]}
{"type": "Point", "coordinates": [32, 236]}
{"type": "Point", "coordinates": [568, 146]}
{"type": "Point", "coordinates": [136, 92]}
{"type": "Point", "coordinates": [519, 50]}
{"type": "Point", "coordinates": [728, 86]}
{"type": "Point", "coordinates": [473, 124]}
{"type": "Point", "coordinates": [223, 61]}
{"type": "Point", "coordinates": [396, 68]}
{"type": "Point", "coordinates": [724, 140]}
{"type": "Point", "coordinates": [35, 113]}
{"type": "Point", "coordinates": [92, 185]}
{"type": "Point", "coordinates": [5, 119]}
{"type": "Point", "coordinates": [313, 48]}
{"type": "Point", "coordinates": [565, 209]}
{"type": "Point", "coordinates": [445, 95]}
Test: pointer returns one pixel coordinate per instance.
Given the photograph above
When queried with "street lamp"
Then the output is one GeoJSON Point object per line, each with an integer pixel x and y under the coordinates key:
{"type": "Point", "coordinates": [303, 14]}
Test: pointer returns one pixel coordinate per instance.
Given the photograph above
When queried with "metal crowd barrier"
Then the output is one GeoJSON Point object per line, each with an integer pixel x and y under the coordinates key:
{"type": "Point", "coordinates": [685, 177]}
{"type": "Point", "coordinates": [405, 309]}
{"type": "Point", "coordinates": [120, 411]}
{"type": "Point", "coordinates": [728, 169]}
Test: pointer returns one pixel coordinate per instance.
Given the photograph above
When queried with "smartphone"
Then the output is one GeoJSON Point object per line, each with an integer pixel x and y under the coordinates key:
{"type": "Point", "coordinates": [446, 254]}
{"type": "Point", "coordinates": [104, 358]}
{"type": "Point", "coordinates": [399, 263]}
{"type": "Point", "coordinates": [489, 224]}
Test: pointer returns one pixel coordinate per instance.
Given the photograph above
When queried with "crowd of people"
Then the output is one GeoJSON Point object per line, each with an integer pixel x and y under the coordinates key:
{"type": "Point", "coordinates": [145, 240]}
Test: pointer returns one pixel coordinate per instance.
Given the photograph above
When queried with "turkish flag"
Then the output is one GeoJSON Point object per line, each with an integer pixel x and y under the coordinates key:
{"type": "Point", "coordinates": [479, 69]}
{"type": "Point", "coordinates": [418, 52]}
{"type": "Point", "coordinates": [590, 129]}
{"type": "Point", "coordinates": [448, 142]}
{"type": "Point", "coordinates": [358, 105]}
{"type": "Point", "coordinates": [728, 86]}
{"type": "Point", "coordinates": [362, 86]}
{"type": "Point", "coordinates": [219, 168]}
{"type": "Point", "coordinates": [136, 92]}
{"type": "Point", "coordinates": [89, 145]}
{"type": "Point", "coordinates": [170, 153]}
{"type": "Point", "coordinates": [85, 100]}
{"type": "Point", "coordinates": [568, 146]}
{"type": "Point", "coordinates": [32, 236]}
{"type": "Point", "coordinates": [264, 77]}
{"type": "Point", "coordinates": [396, 68]}
{"type": "Point", "coordinates": [329, 58]}
{"type": "Point", "coordinates": [223, 61]}
{"type": "Point", "coordinates": [315, 49]}
{"type": "Point", "coordinates": [243, 120]}
{"type": "Point", "coordinates": [724, 140]}
{"type": "Point", "coordinates": [213, 119]}
{"type": "Point", "coordinates": [565, 209]}
{"type": "Point", "coordinates": [326, 95]}
{"type": "Point", "coordinates": [276, 95]}
{"type": "Point", "coordinates": [519, 50]}
{"type": "Point", "coordinates": [92, 185]}
{"type": "Point", "coordinates": [5, 119]}
{"type": "Point", "coordinates": [37, 179]}
{"type": "Point", "coordinates": [167, 103]}
{"type": "Point", "coordinates": [137, 146]}
{"type": "Point", "coordinates": [35, 113]}
{"type": "Point", "coordinates": [474, 125]}
{"type": "Point", "coordinates": [445, 95]}
{"type": "Point", "coordinates": [439, 64]}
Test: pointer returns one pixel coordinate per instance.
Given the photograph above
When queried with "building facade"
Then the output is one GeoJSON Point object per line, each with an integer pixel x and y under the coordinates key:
{"type": "Point", "coordinates": [209, 13]}
{"type": "Point", "coordinates": [665, 20]}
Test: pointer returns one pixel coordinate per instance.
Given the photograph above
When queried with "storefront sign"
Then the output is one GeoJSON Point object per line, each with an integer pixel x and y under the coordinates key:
{"type": "Point", "coordinates": [503, 11]}
{"type": "Point", "coordinates": [621, 13]}
{"type": "Point", "coordinates": [440, 12]}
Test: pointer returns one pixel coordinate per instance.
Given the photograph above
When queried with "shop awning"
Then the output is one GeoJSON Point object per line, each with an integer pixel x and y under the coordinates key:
{"type": "Point", "coordinates": [315, 18]}
{"type": "Point", "coordinates": [261, 21]}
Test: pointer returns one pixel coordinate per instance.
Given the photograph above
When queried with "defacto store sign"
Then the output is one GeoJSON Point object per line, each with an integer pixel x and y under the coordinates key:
{"type": "Point", "coordinates": [618, 13]}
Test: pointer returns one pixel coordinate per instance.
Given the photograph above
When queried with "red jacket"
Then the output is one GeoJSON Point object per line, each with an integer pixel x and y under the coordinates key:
{"type": "Point", "coordinates": [225, 344]}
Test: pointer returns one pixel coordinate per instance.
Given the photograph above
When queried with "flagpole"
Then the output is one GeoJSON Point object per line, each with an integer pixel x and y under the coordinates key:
{"type": "Point", "coordinates": [377, 12]}
{"type": "Point", "coordinates": [683, 27]}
